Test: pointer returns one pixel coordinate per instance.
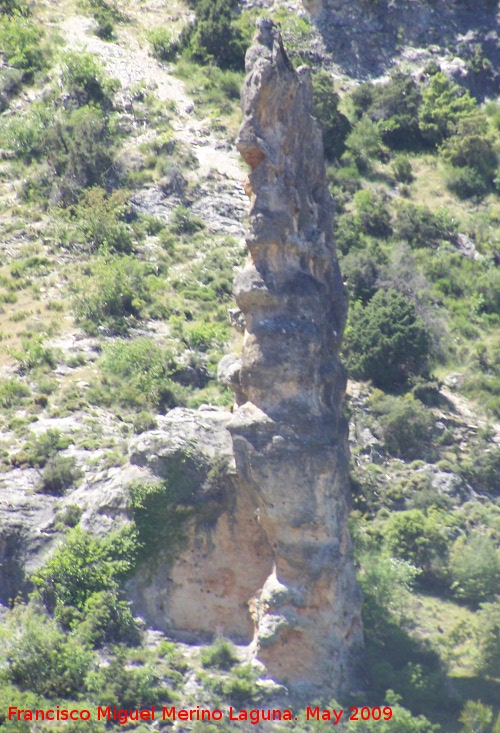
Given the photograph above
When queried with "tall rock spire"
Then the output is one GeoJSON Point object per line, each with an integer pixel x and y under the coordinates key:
{"type": "Point", "coordinates": [289, 435]}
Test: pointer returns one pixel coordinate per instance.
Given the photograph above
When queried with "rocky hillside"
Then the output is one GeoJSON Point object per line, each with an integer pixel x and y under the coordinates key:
{"type": "Point", "coordinates": [127, 517]}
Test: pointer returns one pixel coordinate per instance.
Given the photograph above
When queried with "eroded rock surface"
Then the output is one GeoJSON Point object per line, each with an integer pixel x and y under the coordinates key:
{"type": "Point", "coordinates": [289, 436]}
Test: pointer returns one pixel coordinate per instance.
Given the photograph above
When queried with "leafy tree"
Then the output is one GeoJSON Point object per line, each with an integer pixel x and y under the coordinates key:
{"type": "Point", "coordinates": [215, 36]}
{"type": "Point", "coordinates": [361, 271]}
{"type": "Point", "coordinates": [472, 147]}
{"type": "Point", "coordinates": [488, 631]}
{"type": "Point", "coordinates": [84, 78]}
{"type": "Point", "coordinates": [421, 227]}
{"type": "Point", "coordinates": [21, 43]}
{"type": "Point", "coordinates": [415, 537]}
{"type": "Point", "coordinates": [111, 292]}
{"type": "Point", "coordinates": [476, 717]}
{"type": "Point", "coordinates": [371, 214]}
{"type": "Point", "coordinates": [83, 566]}
{"type": "Point", "coordinates": [80, 151]}
{"type": "Point", "coordinates": [364, 143]}
{"type": "Point", "coordinates": [41, 658]}
{"type": "Point", "coordinates": [394, 106]}
{"type": "Point", "coordinates": [444, 103]}
{"type": "Point", "coordinates": [335, 125]}
{"type": "Point", "coordinates": [386, 341]}
{"type": "Point", "coordinates": [475, 567]}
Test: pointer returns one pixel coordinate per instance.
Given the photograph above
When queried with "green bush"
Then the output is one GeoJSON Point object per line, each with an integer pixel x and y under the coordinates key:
{"type": "Point", "coordinates": [386, 341]}
{"type": "Point", "coordinates": [415, 537]}
{"type": "Point", "coordinates": [112, 292]}
{"type": "Point", "coordinates": [420, 227]}
{"type": "Point", "coordinates": [482, 470]}
{"type": "Point", "coordinates": [21, 44]}
{"type": "Point", "coordinates": [215, 36]}
{"type": "Point", "coordinates": [12, 393]}
{"type": "Point", "coordinates": [159, 510]}
{"type": "Point", "coordinates": [407, 428]}
{"type": "Point", "coordinates": [84, 78]}
{"type": "Point", "coordinates": [165, 44]}
{"type": "Point", "coordinates": [475, 568]}
{"type": "Point", "coordinates": [44, 447]}
{"type": "Point", "coordinates": [361, 271]}
{"type": "Point", "coordinates": [364, 144]}
{"type": "Point", "coordinates": [472, 147]}
{"type": "Point", "coordinates": [183, 222]}
{"type": "Point", "coordinates": [23, 133]}
{"type": "Point", "coordinates": [84, 565]}
{"type": "Point", "coordinates": [107, 620]}
{"type": "Point", "coordinates": [42, 659]}
{"type": "Point", "coordinates": [222, 655]}
{"type": "Point", "coordinates": [240, 687]}
{"type": "Point", "coordinates": [371, 214]}
{"type": "Point", "coordinates": [100, 221]}
{"type": "Point", "coordinates": [466, 183]}
{"type": "Point", "coordinates": [488, 631]}
{"type": "Point", "coordinates": [81, 151]}
{"type": "Point", "coordinates": [402, 169]}
{"type": "Point", "coordinates": [334, 124]}
{"type": "Point", "coordinates": [127, 687]}
{"type": "Point", "coordinates": [141, 374]}
{"type": "Point", "coordinates": [444, 104]}
{"type": "Point", "coordinates": [394, 107]}
{"type": "Point", "coordinates": [59, 474]}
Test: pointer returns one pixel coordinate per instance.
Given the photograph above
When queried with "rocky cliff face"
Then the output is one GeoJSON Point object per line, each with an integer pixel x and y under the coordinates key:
{"type": "Point", "coordinates": [289, 437]}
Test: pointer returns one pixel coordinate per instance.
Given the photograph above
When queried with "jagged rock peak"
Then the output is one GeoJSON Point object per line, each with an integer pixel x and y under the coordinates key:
{"type": "Point", "coordinates": [291, 290]}
{"type": "Point", "coordinates": [289, 437]}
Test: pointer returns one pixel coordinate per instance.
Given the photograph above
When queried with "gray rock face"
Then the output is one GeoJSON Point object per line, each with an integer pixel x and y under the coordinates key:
{"type": "Point", "coordinates": [289, 438]}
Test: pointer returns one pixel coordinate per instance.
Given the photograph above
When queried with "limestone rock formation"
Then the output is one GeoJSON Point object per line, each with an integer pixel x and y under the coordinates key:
{"type": "Point", "coordinates": [289, 436]}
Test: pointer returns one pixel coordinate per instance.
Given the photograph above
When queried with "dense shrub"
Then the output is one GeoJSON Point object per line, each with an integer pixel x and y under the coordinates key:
{"type": "Point", "coordinates": [406, 428]}
{"type": "Point", "coordinates": [402, 169]}
{"type": "Point", "coordinates": [415, 537]}
{"type": "Point", "coordinates": [371, 214]}
{"type": "Point", "coordinates": [165, 45]}
{"type": "Point", "coordinates": [12, 393]}
{"type": "Point", "coordinates": [85, 79]}
{"type": "Point", "coordinates": [364, 144]}
{"type": "Point", "coordinates": [334, 124]}
{"type": "Point", "coordinates": [386, 341]}
{"type": "Point", "coordinates": [215, 36]}
{"type": "Point", "coordinates": [360, 270]}
{"type": "Point", "coordinates": [84, 565]}
{"type": "Point", "coordinates": [21, 43]}
{"type": "Point", "coordinates": [488, 630]}
{"type": "Point", "coordinates": [471, 146]}
{"type": "Point", "coordinates": [107, 620]}
{"type": "Point", "coordinates": [467, 183]}
{"type": "Point", "coordinates": [394, 106]}
{"type": "Point", "coordinates": [159, 509]}
{"type": "Point", "coordinates": [420, 227]}
{"type": "Point", "coordinates": [127, 687]}
{"type": "Point", "coordinates": [59, 473]}
{"type": "Point", "coordinates": [112, 292]}
{"type": "Point", "coordinates": [42, 659]}
{"type": "Point", "coordinates": [45, 446]}
{"type": "Point", "coordinates": [475, 568]}
{"type": "Point", "coordinates": [222, 655]}
{"type": "Point", "coordinates": [482, 469]}
{"type": "Point", "coordinates": [80, 151]}
{"type": "Point", "coordinates": [100, 221]}
{"type": "Point", "coordinates": [141, 373]}
{"type": "Point", "coordinates": [444, 103]}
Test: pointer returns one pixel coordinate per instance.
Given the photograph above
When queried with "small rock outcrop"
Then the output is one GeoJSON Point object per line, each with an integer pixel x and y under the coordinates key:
{"type": "Point", "coordinates": [289, 435]}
